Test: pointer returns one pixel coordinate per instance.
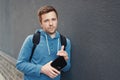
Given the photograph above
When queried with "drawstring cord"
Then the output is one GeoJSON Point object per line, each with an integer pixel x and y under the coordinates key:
{"type": "Point", "coordinates": [48, 44]}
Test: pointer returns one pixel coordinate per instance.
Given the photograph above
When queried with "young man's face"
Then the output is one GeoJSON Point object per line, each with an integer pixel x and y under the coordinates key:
{"type": "Point", "coordinates": [49, 22]}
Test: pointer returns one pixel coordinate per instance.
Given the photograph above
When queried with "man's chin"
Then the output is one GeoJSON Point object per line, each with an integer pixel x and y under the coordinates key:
{"type": "Point", "coordinates": [52, 32]}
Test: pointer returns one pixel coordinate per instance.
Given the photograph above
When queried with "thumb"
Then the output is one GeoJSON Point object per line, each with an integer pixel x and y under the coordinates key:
{"type": "Point", "coordinates": [50, 62]}
{"type": "Point", "coordinates": [62, 48]}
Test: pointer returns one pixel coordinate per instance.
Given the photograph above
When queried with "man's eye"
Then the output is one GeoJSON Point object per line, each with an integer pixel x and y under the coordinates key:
{"type": "Point", "coordinates": [46, 21]}
{"type": "Point", "coordinates": [53, 19]}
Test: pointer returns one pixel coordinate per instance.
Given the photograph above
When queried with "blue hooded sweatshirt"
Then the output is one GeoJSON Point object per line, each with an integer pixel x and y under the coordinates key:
{"type": "Point", "coordinates": [45, 51]}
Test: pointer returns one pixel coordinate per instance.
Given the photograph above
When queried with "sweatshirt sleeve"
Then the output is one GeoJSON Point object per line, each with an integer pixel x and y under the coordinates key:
{"type": "Point", "coordinates": [68, 50]}
{"type": "Point", "coordinates": [23, 63]}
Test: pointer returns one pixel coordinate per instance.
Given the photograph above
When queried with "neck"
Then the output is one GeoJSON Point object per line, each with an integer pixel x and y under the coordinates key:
{"type": "Point", "coordinates": [52, 35]}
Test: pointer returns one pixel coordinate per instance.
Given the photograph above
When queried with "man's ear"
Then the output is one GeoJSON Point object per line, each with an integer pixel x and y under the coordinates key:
{"type": "Point", "coordinates": [40, 22]}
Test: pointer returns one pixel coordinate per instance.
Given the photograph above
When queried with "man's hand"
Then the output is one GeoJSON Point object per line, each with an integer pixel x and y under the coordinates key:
{"type": "Point", "coordinates": [49, 70]}
{"type": "Point", "coordinates": [63, 53]}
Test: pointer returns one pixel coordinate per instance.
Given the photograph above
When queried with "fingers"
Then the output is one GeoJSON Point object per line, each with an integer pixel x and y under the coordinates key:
{"type": "Point", "coordinates": [62, 48]}
{"type": "Point", "coordinates": [54, 73]}
{"type": "Point", "coordinates": [55, 70]}
{"type": "Point", "coordinates": [63, 53]}
{"type": "Point", "coordinates": [49, 70]}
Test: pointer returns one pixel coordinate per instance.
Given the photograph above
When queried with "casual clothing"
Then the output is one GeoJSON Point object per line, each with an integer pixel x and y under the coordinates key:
{"type": "Point", "coordinates": [45, 51]}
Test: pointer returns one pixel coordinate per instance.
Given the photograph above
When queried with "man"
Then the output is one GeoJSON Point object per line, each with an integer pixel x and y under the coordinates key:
{"type": "Point", "coordinates": [46, 51]}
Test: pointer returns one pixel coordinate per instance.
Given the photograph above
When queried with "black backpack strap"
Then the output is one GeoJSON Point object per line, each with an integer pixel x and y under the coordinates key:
{"type": "Point", "coordinates": [63, 41]}
{"type": "Point", "coordinates": [36, 40]}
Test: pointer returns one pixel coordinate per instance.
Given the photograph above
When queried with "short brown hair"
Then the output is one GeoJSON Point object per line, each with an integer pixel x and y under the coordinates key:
{"type": "Point", "coordinates": [46, 9]}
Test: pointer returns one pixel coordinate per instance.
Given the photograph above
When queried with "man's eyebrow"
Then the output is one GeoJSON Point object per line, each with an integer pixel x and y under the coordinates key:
{"type": "Point", "coordinates": [46, 20]}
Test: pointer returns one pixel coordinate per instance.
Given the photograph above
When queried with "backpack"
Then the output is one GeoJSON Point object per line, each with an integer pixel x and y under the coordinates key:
{"type": "Point", "coordinates": [36, 40]}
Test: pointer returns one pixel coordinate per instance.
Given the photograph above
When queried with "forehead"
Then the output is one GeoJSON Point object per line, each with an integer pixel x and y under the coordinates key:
{"type": "Point", "coordinates": [48, 15]}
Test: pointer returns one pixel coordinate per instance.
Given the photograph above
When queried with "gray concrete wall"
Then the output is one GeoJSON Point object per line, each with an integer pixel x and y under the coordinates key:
{"type": "Point", "coordinates": [92, 26]}
{"type": "Point", "coordinates": [5, 29]}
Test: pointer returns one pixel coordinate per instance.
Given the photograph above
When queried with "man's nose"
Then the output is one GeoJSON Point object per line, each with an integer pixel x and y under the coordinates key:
{"type": "Point", "coordinates": [50, 23]}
